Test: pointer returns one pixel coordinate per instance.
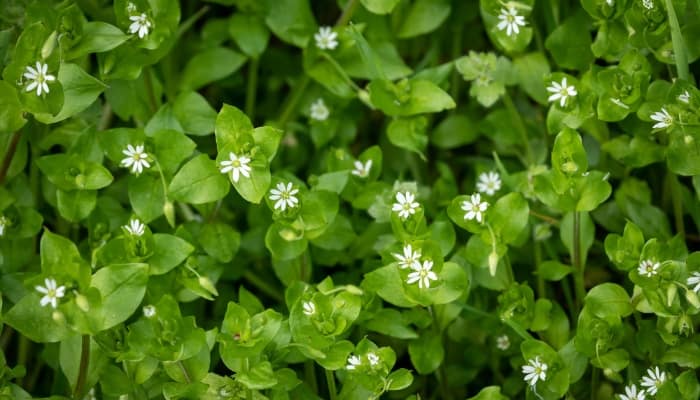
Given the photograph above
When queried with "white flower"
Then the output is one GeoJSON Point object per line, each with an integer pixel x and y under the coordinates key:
{"type": "Point", "coordinates": [149, 311]}
{"type": "Point", "coordinates": [510, 21]}
{"type": "Point", "coordinates": [663, 119]}
{"type": "Point", "coordinates": [648, 268]}
{"type": "Point", "coordinates": [284, 196]}
{"type": "Point", "coordinates": [362, 170]}
{"type": "Point", "coordinates": [237, 166]}
{"type": "Point", "coordinates": [631, 393]}
{"type": "Point", "coordinates": [684, 97]}
{"type": "Point", "coordinates": [373, 359]}
{"type": "Point", "coordinates": [309, 308]}
{"type": "Point", "coordinates": [353, 362]}
{"type": "Point", "coordinates": [649, 4]}
{"type": "Point", "coordinates": [534, 371]}
{"type": "Point", "coordinates": [326, 39]}
{"type": "Point", "coordinates": [422, 274]}
{"type": "Point", "coordinates": [141, 24]}
{"type": "Point", "coordinates": [136, 158]}
{"type": "Point", "coordinates": [474, 207]}
{"type": "Point", "coordinates": [38, 78]}
{"type": "Point", "coordinates": [405, 204]}
{"type": "Point", "coordinates": [319, 111]}
{"type": "Point", "coordinates": [694, 280]}
{"type": "Point", "coordinates": [135, 227]}
{"type": "Point", "coordinates": [52, 292]}
{"type": "Point", "coordinates": [3, 225]}
{"type": "Point", "coordinates": [653, 379]}
{"type": "Point", "coordinates": [409, 257]}
{"type": "Point", "coordinates": [610, 2]}
{"type": "Point", "coordinates": [503, 342]}
{"type": "Point", "coordinates": [561, 91]}
{"type": "Point", "coordinates": [489, 183]}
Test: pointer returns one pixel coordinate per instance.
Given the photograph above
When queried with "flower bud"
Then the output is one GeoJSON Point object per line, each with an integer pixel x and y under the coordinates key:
{"type": "Point", "coordinates": [493, 263]}
{"type": "Point", "coordinates": [82, 302]}
{"type": "Point", "coordinates": [207, 284]}
{"type": "Point", "coordinates": [692, 298]}
{"type": "Point", "coordinates": [58, 317]}
{"type": "Point", "coordinates": [671, 292]}
{"type": "Point", "coordinates": [49, 45]}
{"type": "Point", "coordinates": [169, 212]}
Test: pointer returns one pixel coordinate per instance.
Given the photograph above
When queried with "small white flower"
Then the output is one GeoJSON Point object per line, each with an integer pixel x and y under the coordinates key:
{"type": "Point", "coordinates": [319, 111]}
{"type": "Point", "coordinates": [653, 380]}
{"type": "Point", "coordinates": [284, 196]}
{"type": "Point", "coordinates": [489, 183]}
{"type": "Point", "coordinates": [409, 257]}
{"type": "Point", "coordinates": [325, 38]}
{"type": "Point", "coordinates": [684, 97]}
{"type": "Point", "coordinates": [534, 371]}
{"type": "Point", "coordinates": [510, 21]}
{"type": "Point", "coordinates": [631, 393]}
{"type": "Point", "coordinates": [663, 119]}
{"type": "Point", "coordinates": [694, 280]}
{"type": "Point", "coordinates": [136, 158]}
{"type": "Point", "coordinates": [474, 208]}
{"type": "Point", "coordinates": [149, 311]}
{"type": "Point", "coordinates": [353, 362]}
{"type": "Point", "coordinates": [135, 227]}
{"type": "Point", "coordinates": [422, 274]}
{"type": "Point", "coordinates": [405, 204]}
{"type": "Point", "coordinates": [237, 166]}
{"type": "Point", "coordinates": [52, 292]}
{"type": "Point", "coordinates": [561, 91]}
{"type": "Point", "coordinates": [141, 24]}
{"type": "Point", "coordinates": [648, 268]}
{"type": "Point", "coordinates": [38, 78]}
{"type": "Point", "coordinates": [131, 8]}
{"type": "Point", "coordinates": [648, 4]}
{"type": "Point", "coordinates": [503, 342]}
{"type": "Point", "coordinates": [309, 308]}
{"type": "Point", "coordinates": [610, 2]}
{"type": "Point", "coordinates": [373, 359]}
{"type": "Point", "coordinates": [362, 170]}
{"type": "Point", "coordinates": [3, 225]}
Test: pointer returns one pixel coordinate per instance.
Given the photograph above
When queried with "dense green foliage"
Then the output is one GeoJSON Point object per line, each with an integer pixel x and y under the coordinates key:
{"type": "Point", "coordinates": [351, 199]}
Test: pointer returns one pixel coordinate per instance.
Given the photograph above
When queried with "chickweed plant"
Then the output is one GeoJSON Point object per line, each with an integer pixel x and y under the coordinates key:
{"type": "Point", "coordinates": [349, 199]}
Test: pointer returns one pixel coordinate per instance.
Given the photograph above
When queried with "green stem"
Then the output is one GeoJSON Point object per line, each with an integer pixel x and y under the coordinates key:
{"type": "Point", "coordinates": [310, 375]}
{"type": "Point", "coordinates": [83, 368]}
{"type": "Point", "coordinates": [330, 379]}
{"type": "Point", "coordinates": [509, 269]}
{"type": "Point", "coordinates": [579, 287]}
{"type": "Point", "coordinates": [251, 88]}
{"type": "Point", "coordinates": [537, 247]}
{"type": "Point", "coordinates": [347, 13]}
{"type": "Point", "coordinates": [150, 94]}
{"type": "Point", "coordinates": [264, 286]}
{"type": "Point", "coordinates": [519, 125]}
{"type": "Point", "coordinates": [106, 117]}
{"type": "Point", "coordinates": [189, 22]}
{"type": "Point", "coordinates": [440, 373]}
{"type": "Point", "coordinates": [595, 377]}
{"type": "Point", "coordinates": [341, 71]}
{"type": "Point", "coordinates": [677, 200]}
{"type": "Point", "coordinates": [679, 50]}
{"type": "Point", "coordinates": [292, 101]}
{"type": "Point", "coordinates": [456, 52]}
{"type": "Point", "coordinates": [7, 160]}
{"type": "Point", "coordinates": [566, 289]}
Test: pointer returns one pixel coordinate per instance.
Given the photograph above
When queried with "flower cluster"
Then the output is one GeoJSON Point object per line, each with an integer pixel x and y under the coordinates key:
{"type": "Point", "coordinates": [355, 361]}
{"type": "Point", "coordinates": [422, 271]}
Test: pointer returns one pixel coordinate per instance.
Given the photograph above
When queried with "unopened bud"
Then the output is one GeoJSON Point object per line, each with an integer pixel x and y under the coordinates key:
{"type": "Point", "coordinates": [82, 302]}
{"type": "Point", "coordinates": [692, 298]}
{"type": "Point", "coordinates": [207, 284]}
{"type": "Point", "coordinates": [169, 212]}
{"type": "Point", "coordinates": [493, 263]}
{"type": "Point", "coordinates": [49, 45]}
{"type": "Point", "coordinates": [671, 292]}
{"type": "Point", "coordinates": [58, 317]}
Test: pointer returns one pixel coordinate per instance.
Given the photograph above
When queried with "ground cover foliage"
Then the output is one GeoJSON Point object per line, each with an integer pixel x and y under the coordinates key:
{"type": "Point", "coordinates": [352, 199]}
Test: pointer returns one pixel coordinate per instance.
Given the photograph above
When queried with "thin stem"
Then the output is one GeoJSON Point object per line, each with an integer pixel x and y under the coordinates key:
{"type": "Point", "coordinates": [310, 375]}
{"type": "Point", "coordinates": [677, 200]}
{"type": "Point", "coordinates": [189, 22]}
{"type": "Point", "coordinates": [7, 160]}
{"type": "Point", "coordinates": [292, 100]}
{"type": "Point", "coordinates": [440, 372]}
{"type": "Point", "coordinates": [537, 248]}
{"type": "Point", "coordinates": [456, 52]}
{"type": "Point", "coordinates": [264, 286]}
{"type": "Point", "coordinates": [595, 377]}
{"type": "Point", "coordinates": [566, 289]}
{"type": "Point", "coordinates": [150, 94]}
{"type": "Point", "coordinates": [106, 117]}
{"type": "Point", "coordinates": [83, 369]}
{"type": "Point", "coordinates": [509, 269]}
{"type": "Point", "coordinates": [519, 125]}
{"type": "Point", "coordinates": [6, 337]}
{"type": "Point", "coordinates": [347, 13]}
{"type": "Point", "coordinates": [252, 87]}
{"type": "Point", "coordinates": [332, 390]}
{"type": "Point", "coordinates": [341, 71]}
{"type": "Point", "coordinates": [184, 371]}
{"type": "Point", "coordinates": [579, 287]}
{"type": "Point", "coordinates": [679, 50]}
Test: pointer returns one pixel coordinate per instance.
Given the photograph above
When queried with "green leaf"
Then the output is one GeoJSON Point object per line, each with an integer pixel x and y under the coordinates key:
{"type": "Point", "coordinates": [259, 377]}
{"type": "Point", "coordinates": [380, 7]}
{"type": "Point", "coordinates": [427, 353]}
{"type": "Point", "coordinates": [199, 181]}
{"type": "Point", "coordinates": [509, 217]}
{"type": "Point", "coordinates": [609, 300]}
{"type": "Point", "coordinates": [409, 134]}
{"type": "Point", "coordinates": [171, 148]}
{"type": "Point", "coordinates": [399, 379]}
{"type": "Point", "coordinates": [147, 196]}
{"type": "Point", "coordinates": [683, 153]}
{"type": "Point", "coordinates": [250, 33]}
{"type": "Point", "coordinates": [11, 117]}
{"type": "Point", "coordinates": [407, 98]}
{"type": "Point", "coordinates": [219, 241]}
{"type": "Point", "coordinates": [489, 393]}
{"type": "Point", "coordinates": [76, 205]}
{"type": "Point", "coordinates": [194, 113]}
{"type": "Point", "coordinates": [570, 48]}
{"type": "Point", "coordinates": [284, 243]}
{"type": "Point", "coordinates": [97, 37]}
{"type": "Point", "coordinates": [209, 66]}
{"type": "Point", "coordinates": [530, 69]}
{"type": "Point", "coordinates": [169, 251]}
{"type": "Point", "coordinates": [122, 287]}
{"type": "Point", "coordinates": [386, 283]}
{"type": "Point", "coordinates": [291, 20]}
{"type": "Point", "coordinates": [454, 131]}
{"type": "Point", "coordinates": [233, 129]}
{"type": "Point", "coordinates": [553, 270]}
{"type": "Point", "coordinates": [35, 322]}
{"type": "Point", "coordinates": [80, 90]}
{"type": "Point", "coordinates": [423, 17]}
{"type": "Point", "coordinates": [69, 172]}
